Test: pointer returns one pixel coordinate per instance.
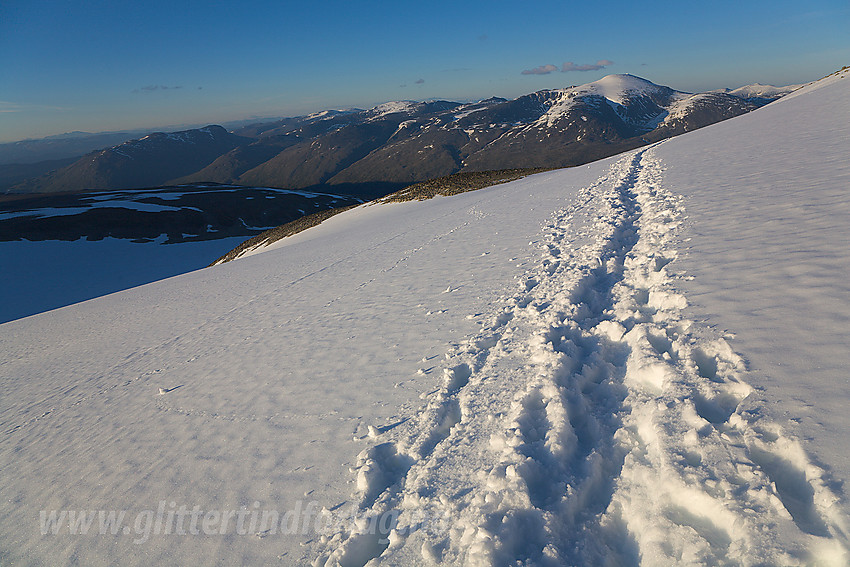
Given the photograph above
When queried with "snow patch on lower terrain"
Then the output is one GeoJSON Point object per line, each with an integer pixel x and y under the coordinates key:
{"type": "Point", "coordinates": [680, 107]}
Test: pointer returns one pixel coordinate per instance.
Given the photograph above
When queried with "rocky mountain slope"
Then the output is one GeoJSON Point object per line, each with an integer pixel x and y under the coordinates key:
{"type": "Point", "coordinates": [405, 142]}
{"type": "Point", "coordinates": [146, 162]}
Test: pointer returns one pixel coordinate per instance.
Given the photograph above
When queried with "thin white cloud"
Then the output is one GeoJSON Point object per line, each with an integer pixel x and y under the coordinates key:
{"type": "Point", "coordinates": [8, 107]}
{"type": "Point", "coordinates": [152, 88]}
{"type": "Point", "coordinates": [570, 66]}
{"type": "Point", "coordinates": [542, 70]}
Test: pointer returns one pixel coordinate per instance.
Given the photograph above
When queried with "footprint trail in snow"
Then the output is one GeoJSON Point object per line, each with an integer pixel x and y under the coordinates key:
{"type": "Point", "coordinates": [591, 422]}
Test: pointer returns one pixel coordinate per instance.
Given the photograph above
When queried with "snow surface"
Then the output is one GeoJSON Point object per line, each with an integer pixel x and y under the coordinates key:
{"type": "Point", "coordinates": [465, 111]}
{"type": "Point", "coordinates": [770, 252]}
{"type": "Point", "coordinates": [42, 212]}
{"type": "Point", "coordinates": [579, 367]}
{"type": "Point", "coordinates": [48, 274]}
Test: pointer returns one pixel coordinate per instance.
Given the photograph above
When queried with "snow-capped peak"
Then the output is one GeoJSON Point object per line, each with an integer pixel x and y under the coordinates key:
{"type": "Point", "coordinates": [618, 90]}
{"type": "Point", "coordinates": [392, 107]}
{"type": "Point", "coordinates": [760, 90]}
{"type": "Point", "coordinates": [616, 87]}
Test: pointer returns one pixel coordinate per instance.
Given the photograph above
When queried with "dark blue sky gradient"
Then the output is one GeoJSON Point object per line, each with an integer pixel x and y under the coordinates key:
{"type": "Point", "coordinates": [97, 66]}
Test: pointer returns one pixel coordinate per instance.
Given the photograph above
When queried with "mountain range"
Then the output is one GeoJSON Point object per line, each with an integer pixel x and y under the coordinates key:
{"type": "Point", "coordinates": [372, 152]}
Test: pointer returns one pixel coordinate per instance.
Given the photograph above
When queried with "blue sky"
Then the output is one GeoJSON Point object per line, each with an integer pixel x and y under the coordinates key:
{"type": "Point", "coordinates": [97, 66]}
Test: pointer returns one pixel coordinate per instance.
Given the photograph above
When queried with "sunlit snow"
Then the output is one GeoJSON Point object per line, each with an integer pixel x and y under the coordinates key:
{"type": "Point", "coordinates": [641, 361]}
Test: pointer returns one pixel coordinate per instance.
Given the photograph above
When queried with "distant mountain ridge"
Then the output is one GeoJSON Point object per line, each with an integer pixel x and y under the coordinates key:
{"type": "Point", "coordinates": [146, 162]}
{"type": "Point", "coordinates": [406, 142]}
{"type": "Point", "coordinates": [62, 146]}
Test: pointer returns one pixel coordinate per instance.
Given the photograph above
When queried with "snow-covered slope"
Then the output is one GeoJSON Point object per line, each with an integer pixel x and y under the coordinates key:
{"type": "Point", "coordinates": [770, 253]}
{"type": "Point", "coordinates": [618, 88]}
{"type": "Point", "coordinates": [758, 90]}
{"type": "Point", "coordinates": [640, 103]}
{"type": "Point", "coordinates": [45, 275]}
{"type": "Point", "coordinates": [574, 368]}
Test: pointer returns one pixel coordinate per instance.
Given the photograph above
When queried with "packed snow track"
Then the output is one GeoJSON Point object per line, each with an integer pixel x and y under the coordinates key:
{"type": "Point", "coordinates": [592, 423]}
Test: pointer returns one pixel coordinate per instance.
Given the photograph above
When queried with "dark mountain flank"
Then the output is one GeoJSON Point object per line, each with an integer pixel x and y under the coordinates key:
{"type": "Point", "coordinates": [146, 162]}
{"type": "Point", "coordinates": [406, 142]}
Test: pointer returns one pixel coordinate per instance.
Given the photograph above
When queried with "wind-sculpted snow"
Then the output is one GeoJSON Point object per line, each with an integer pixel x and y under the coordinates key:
{"type": "Point", "coordinates": [591, 422]}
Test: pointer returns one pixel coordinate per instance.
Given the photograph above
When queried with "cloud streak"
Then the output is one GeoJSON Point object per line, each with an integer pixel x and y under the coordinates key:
{"type": "Point", "coordinates": [8, 107]}
{"type": "Point", "coordinates": [152, 88]}
{"type": "Point", "coordinates": [568, 67]}
{"type": "Point", "coordinates": [542, 70]}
